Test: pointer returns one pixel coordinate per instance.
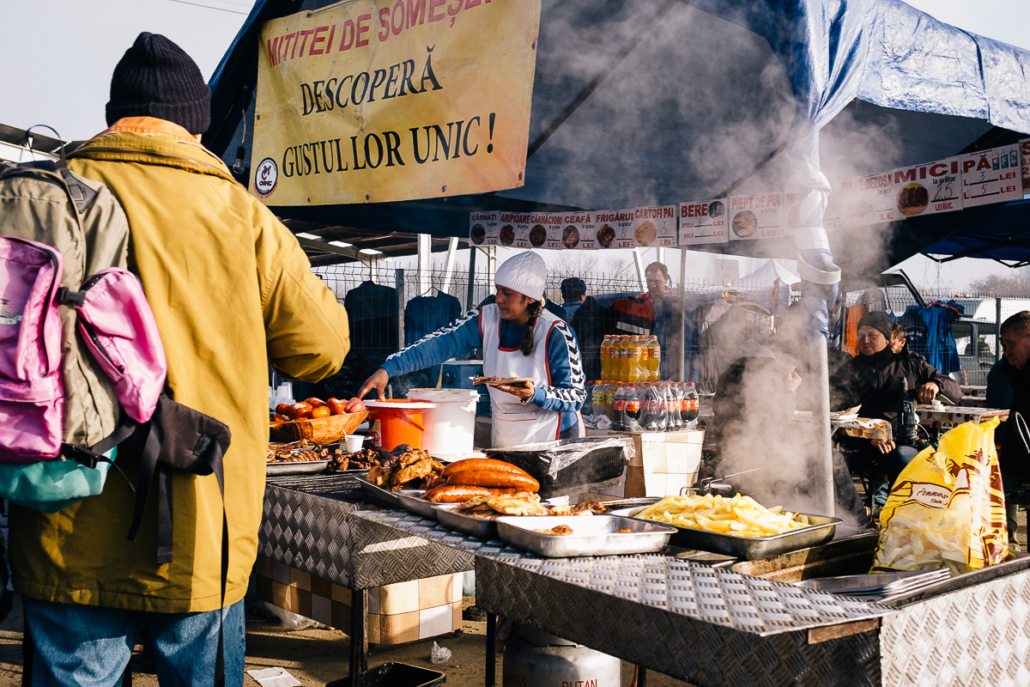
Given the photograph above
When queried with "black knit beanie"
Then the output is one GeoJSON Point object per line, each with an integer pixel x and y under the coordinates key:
{"type": "Point", "coordinates": [880, 321]}
{"type": "Point", "coordinates": [156, 78]}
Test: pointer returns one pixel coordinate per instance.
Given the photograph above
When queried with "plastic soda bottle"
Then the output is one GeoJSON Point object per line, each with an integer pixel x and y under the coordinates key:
{"type": "Point", "coordinates": [619, 406]}
{"type": "Point", "coordinates": [673, 399]}
{"type": "Point", "coordinates": [622, 369]}
{"type": "Point", "coordinates": [654, 408]}
{"type": "Point", "coordinates": [654, 359]}
{"type": "Point", "coordinates": [597, 398]}
{"type": "Point", "coordinates": [634, 408]}
{"type": "Point", "coordinates": [606, 357]}
{"type": "Point", "coordinates": [609, 401]}
{"type": "Point", "coordinates": [635, 371]}
{"type": "Point", "coordinates": [690, 406]}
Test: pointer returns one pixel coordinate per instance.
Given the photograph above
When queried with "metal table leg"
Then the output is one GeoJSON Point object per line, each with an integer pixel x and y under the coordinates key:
{"type": "Point", "coordinates": [491, 649]}
{"type": "Point", "coordinates": [358, 657]}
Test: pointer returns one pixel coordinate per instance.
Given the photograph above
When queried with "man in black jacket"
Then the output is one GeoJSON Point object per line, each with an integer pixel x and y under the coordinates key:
{"type": "Point", "coordinates": [1014, 455]}
{"type": "Point", "coordinates": [873, 380]}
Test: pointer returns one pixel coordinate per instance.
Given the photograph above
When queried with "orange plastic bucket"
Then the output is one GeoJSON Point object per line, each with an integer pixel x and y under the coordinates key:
{"type": "Point", "coordinates": [400, 421]}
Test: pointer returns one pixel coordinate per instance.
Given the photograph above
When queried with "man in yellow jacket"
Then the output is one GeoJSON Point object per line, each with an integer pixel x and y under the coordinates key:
{"type": "Point", "coordinates": [231, 291]}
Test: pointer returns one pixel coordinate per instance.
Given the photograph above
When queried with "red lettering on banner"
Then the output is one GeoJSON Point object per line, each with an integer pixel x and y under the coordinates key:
{"type": "Point", "coordinates": [363, 28]}
{"type": "Point", "coordinates": [316, 40]}
{"type": "Point", "coordinates": [433, 4]}
{"type": "Point", "coordinates": [347, 37]}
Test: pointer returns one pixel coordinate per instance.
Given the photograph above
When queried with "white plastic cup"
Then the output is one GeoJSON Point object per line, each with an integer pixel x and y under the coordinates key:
{"type": "Point", "coordinates": [354, 442]}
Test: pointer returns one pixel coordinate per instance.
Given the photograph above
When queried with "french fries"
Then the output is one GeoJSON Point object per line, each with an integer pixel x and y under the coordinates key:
{"type": "Point", "coordinates": [740, 516]}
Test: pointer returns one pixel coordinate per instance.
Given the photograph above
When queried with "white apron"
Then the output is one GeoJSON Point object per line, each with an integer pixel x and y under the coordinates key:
{"type": "Point", "coordinates": [515, 423]}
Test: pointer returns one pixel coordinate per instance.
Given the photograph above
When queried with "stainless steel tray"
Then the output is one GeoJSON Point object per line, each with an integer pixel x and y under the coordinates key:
{"type": "Point", "coordinates": [750, 549]}
{"type": "Point", "coordinates": [410, 501]}
{"type": "Point", "coordinates": [476, 527]}
{"type": "Point", "coordinates": [881, 584]}
{"type": "Point", "coordinates": [592, 536]}
{"type": "Point", "coordinates": [301, 468]}
{"type": "Point", "coordinates": [383, 497]}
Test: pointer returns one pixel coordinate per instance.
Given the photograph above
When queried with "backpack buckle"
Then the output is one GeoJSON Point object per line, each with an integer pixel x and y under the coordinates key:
{"type": "Point", "coordinates": [81, 456]}
{"type": "Point", "coordinates": [66, 296]}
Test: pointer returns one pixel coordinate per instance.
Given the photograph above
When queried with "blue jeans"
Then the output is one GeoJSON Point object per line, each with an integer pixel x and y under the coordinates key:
{"type": "Point", "coordinates": [90, 646]}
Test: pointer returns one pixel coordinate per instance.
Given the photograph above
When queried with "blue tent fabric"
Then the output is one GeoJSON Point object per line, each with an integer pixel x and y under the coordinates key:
{"type": "Point", "coordinates": [884, 62]}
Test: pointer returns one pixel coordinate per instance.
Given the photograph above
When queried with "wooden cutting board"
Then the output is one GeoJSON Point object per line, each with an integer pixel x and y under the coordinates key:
{"type": "Point", "coordinates": [321, 430]}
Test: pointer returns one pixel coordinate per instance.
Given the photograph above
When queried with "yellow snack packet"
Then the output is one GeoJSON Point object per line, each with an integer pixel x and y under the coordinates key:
{"type": "Point", "coordinates": [947, 507]}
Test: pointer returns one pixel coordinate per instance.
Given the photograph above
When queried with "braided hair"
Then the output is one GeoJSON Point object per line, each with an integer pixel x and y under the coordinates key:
{"type": "Point", "coordinates": [526, 345]}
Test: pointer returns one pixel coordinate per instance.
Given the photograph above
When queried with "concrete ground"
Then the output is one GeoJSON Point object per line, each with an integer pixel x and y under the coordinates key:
{"type": "Point", "coordinates": [317, 656]}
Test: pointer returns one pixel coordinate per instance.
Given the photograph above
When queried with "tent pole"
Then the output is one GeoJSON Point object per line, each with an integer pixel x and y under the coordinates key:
{"type": "Point", "coordinates": [398, 283]}
{"type": "Point", "coordinates": [425, 256]}
{"type": "Point", "coordinates": [681, 334]}
{"type": "Point", "coordinates": [640, 269]}
{"type": "Point", "coordinates": [470, 299]}
{"type": "Point", "coordinates": [448, 269]}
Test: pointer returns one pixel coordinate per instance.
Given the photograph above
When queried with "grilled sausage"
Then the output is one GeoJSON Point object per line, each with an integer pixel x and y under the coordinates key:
{"type": "Point", "coordinates": [450, 493]}
{"type": "Point", "coordinates": [494, 478]}
{"type": "Point", "coordinates": [482, 464]}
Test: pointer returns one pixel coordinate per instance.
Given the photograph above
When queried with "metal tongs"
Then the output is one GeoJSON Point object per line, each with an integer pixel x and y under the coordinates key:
{"type": "Point", "coordinates": [708, 484]}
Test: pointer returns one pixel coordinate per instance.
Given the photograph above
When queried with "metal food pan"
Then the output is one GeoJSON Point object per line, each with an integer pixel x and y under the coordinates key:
{"type": "Point", "coordinates": [477, 527]}
{"type": "Point", "coordinates": [750, 548]}
{"type": "Point", "coordinates": [296, 468]}
{"type": "Point", "coordinates": [592, 536]}
{"type": "Point", "coordinates": [410, 501]}
{"type": "Point", "coordinates": [383, 497]}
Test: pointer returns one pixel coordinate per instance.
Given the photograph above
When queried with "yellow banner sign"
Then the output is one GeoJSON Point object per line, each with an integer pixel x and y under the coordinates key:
{"type": "Point", "coordinates": [374, 101]}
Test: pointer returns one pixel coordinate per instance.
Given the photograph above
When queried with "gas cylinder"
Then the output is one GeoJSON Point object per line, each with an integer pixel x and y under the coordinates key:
{"type": "Point", "coordinates": [537, 659]}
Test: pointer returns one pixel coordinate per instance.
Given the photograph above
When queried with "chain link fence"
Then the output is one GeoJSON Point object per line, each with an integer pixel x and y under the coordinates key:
{"type": "Point", "coordinates": [390, 308]}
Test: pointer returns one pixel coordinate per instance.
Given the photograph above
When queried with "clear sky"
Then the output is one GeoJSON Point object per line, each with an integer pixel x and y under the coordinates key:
{"type": "Point", "coordinates": [58, 56]}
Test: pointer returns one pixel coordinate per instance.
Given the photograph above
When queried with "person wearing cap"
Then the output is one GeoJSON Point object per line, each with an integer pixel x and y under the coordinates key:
{"type": "Point", "coordinates": [519, 338]}
{"type": "Point", "coordinates": [873, 379]}
{"type": "Point", "coordinates": [232, 292]}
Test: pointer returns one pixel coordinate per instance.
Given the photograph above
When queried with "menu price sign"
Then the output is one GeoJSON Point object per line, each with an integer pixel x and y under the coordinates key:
{"type": "Point", "coordinates": [758, 216]}
{"type": "Point", "coordinates": [545, 229]}
{"type": "Point", "coordinates": [869, 200]}
{"type": "Point", "coordinates": [991, 176]}
{"type": "Point", "coordinates": [484, 228]}
{"type": "Point", "coordinates": [928, 189]}
{"type": "Point", "coordinates": [511, 226]}
{"type": "Point", "coordinates": [616, 229]}
{"type": "Point", "coordinates": [655, 226]}
{"type": "Point", "coordinates": [578, 231]}
{"type": "Point", "coordinates": [703, 222]}
{"type": "Point", "coordinates": [1024, 146]}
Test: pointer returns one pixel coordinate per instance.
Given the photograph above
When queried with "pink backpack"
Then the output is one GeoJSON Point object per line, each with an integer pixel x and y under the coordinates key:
{"type": "Point", "coordinates": [81, 340]}
{"type": "Point", "coordinates": [114, 322]}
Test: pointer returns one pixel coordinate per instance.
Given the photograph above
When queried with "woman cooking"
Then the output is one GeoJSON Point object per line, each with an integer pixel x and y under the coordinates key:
{"type": "Point", "coordinates": [519, 338]}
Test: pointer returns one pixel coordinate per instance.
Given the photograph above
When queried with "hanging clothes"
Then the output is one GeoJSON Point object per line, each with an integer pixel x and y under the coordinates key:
{"type": "Point", "coordinates": [373, 313]}
{"type": "Point", "coordinates": [942, 351]}
{"type": "Point", "coordinates": [425, 314]}
{"type": "Point", "coordinates": [929, 333]}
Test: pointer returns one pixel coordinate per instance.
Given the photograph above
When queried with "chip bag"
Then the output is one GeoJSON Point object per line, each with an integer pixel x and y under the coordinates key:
{"type": "Point", "coordinates": [947, 507]}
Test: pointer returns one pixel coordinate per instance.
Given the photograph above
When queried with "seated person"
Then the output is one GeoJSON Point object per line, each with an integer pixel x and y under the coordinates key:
{"type": "Point", "coordinates": [754, 428]}
{"type": "Point", "coordinates": [873, 379]}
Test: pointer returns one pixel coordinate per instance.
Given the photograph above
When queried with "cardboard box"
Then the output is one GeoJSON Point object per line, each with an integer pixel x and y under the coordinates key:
{"type": "Point", "coordinates": [663, 463]}
{"type": "Point", "coordinates": [395, 613]}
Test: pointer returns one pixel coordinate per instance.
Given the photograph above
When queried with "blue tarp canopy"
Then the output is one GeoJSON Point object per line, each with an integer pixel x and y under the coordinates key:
{"type": "Point", "coordinates": [661, 101]}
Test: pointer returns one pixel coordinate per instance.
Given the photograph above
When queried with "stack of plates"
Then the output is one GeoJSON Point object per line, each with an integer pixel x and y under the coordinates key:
{"type": "Point", "coordinates": [877, 586]}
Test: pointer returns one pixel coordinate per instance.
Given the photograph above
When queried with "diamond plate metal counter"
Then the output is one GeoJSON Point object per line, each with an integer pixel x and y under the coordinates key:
{"type": "Point", "coordinates": [682, 588]}
{"type": "Point", "coordinates": [309, 523]}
